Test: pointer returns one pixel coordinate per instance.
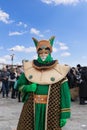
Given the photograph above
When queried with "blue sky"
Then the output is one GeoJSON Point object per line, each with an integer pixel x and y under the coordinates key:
{"type": "Point", "coordinates": [20, 20]}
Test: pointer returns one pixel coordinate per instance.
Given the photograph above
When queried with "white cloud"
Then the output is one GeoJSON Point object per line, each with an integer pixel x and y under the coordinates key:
{"type": "Point", "coordinates": [36, 32]}
{"type": "Point", "coordinates": [65, 54]}
{"type": "Point", "coordinates": [47, 1]}
{"type": "Point", "coordinates": [47, 31]}
{"type": "Point", "coordinates": [23, 49]}
{"type": "Point", "coordinates": [30, 49]}
{"type": "Point", "coordinates": [25, 25]}
{"type": "Point", "coordinates": [4, 17]}
{"type": "Point", "coordinates": [84, 57]}
{"type": "Point", "coordinates": [64, 2]}
{"type": "Point", "coordinates": [5, 59]}
{"type": "Point", "coordinates": [22, 24]}
{"type": "Point", "coordinates": [55, 49]}
{"type": "Point", "coordinates": [17, 48]}
{"type": "Point", "coordinates": [63, 46]}
{"type": "Point", "coordinates": [2, 60]}
{"type": "Point", "coordinates": [16, 33]}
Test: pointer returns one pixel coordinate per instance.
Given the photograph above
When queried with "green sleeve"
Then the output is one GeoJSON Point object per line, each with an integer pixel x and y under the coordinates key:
{"type": "Point", "coordinates": [65, 101]}
{"type": "Point", "coordinates": [21, 81]}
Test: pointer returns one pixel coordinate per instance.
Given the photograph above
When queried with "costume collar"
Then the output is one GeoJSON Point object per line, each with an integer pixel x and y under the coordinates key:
{"type": "Point", "coordinates": [48, 65]}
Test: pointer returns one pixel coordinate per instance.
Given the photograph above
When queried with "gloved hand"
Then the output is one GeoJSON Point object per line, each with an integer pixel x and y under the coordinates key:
{"type": "Point", "coordinates": [62, 122]}
{"type": "Point", "coordinates": [30, 88]}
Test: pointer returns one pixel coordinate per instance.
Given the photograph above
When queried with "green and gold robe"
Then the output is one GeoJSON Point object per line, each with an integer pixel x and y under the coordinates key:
{"type": "Point", "coordinates": [44, 116]}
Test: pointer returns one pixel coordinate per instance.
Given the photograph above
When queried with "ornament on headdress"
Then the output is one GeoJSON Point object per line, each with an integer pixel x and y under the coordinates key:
{"type": "Point", "coordinates": [43, 44]}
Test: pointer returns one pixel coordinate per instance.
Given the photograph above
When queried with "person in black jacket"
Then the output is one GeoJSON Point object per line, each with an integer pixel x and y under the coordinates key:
{"type": "Point", "coordinates": [72, 84]}
{"type": "Point", "coordinates": [4, 79]}
{"type": "Point", "coordinates": [82, 84]}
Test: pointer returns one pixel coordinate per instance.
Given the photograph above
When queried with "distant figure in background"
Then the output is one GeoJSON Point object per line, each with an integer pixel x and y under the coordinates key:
{"type": "Point", "coordinates": [74, 89]}
{"type": "Point", "coordinates": [82, 83]}
{"type": "Point", "coordinates": [4, 78]}
{"type": "Point", "coordinates": [0, 86]}
{"type": "Point", "coordinates": [12, 79]}
{"type": "Point", "coordinates": [0, 82]}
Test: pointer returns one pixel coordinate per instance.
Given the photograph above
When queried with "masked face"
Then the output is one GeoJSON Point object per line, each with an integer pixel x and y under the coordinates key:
{"type": "Point", "coordinates": [43, 54]}
{"type": "Point", "coordinates": [43, 58]}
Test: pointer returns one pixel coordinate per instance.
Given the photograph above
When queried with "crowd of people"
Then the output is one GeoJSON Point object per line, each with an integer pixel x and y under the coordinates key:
{"type": "Point", "coordinates": [77, 80]}
{"type": "Point", "coordinates": [8, 78]}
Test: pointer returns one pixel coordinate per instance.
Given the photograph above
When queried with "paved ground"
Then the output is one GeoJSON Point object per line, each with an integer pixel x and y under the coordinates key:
{"type": "Point", "coordinates": [10, 110]}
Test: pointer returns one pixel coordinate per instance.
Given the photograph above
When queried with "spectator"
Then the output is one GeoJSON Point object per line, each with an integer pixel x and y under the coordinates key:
{"type": "Point", "coordinates": [74, 89]}
{"type": "Point", "coordinates": [4, 78]}
{"type": "Point", "coordinates": [82, 83]}
{"type": "Point", "coordinates": [12, 79]}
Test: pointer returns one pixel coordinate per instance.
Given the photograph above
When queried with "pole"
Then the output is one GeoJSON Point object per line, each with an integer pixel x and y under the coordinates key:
{"type": "Point", "coordinates": [12, 59]}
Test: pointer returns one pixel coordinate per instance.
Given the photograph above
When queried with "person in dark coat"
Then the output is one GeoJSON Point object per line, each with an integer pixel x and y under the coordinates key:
{"type": "Point", "coordinates": [4, 79]}
{"type": "Point", "coordinates": [72, 84]}
{"type": "Point", "coordinates": [82, 84]}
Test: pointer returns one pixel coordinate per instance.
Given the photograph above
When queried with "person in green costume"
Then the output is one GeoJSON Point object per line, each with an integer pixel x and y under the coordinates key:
{"type": "Point", "coordinates": [45, 90]}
